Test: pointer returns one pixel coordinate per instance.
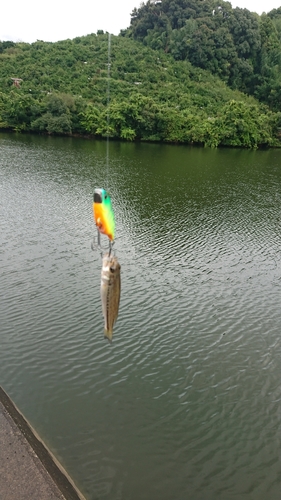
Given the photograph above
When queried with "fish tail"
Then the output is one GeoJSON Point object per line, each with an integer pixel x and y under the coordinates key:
{"type": "Point", "coordinates": [108, 334]}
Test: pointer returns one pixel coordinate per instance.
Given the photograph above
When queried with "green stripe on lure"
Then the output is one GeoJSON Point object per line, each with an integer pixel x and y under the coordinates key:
{"type": "Point", "coordinates": [103, 213]}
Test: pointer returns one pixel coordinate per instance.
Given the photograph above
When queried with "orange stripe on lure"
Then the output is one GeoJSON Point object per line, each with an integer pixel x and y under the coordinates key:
{"type": "Point", "coordinates": [103, 213]}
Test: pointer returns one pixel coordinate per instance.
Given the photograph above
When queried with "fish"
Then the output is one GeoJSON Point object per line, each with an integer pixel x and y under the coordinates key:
{"type": "Point", "coordinates": [110, 292]}
{"type": "Point", "coordinates": [103, 213]}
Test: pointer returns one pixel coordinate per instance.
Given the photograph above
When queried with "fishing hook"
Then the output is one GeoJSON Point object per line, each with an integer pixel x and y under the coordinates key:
{"type": "Point", "coordinates": [96, 245]}
{"type": "Point", "coordinates": [111, 243]}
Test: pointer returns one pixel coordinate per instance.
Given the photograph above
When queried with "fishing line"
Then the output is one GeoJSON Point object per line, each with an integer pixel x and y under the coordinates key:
{"type": "Point", "coordinates": [107, 118]}
{"type": "Point", "coordinates": [108, 111]}
{"type": "Point", "coordinates": [103, 213]}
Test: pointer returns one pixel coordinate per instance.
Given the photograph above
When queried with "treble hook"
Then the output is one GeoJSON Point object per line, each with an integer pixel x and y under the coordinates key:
{"type": "Point", "coordinates": [111, 243]}
{"type": "Point", "coordinates": [96, 245]}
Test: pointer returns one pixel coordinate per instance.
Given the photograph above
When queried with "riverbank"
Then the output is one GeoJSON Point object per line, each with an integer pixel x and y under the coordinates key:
{"type": "Point", "coordinates": [28, 470]}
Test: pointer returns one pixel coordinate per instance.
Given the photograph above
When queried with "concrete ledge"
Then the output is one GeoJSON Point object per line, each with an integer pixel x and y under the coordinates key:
{"type": "Point", "coordinates": [28, 470]}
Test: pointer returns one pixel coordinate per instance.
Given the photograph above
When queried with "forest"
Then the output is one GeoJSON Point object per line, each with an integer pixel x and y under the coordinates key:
{"type": "Point", "coordinates": [185, 71]}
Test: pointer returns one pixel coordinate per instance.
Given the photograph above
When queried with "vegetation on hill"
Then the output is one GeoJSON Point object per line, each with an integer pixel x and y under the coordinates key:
{"type": "Point", "coordinates": [241, 47]}
{"type": "Point", "coordinates": [157, 93]}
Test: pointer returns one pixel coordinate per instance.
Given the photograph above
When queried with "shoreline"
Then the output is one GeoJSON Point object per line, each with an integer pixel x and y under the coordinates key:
{"type": "Point", "coordinates": [28, 469]}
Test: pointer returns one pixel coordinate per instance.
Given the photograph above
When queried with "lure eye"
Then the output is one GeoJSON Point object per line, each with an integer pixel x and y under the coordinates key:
{"type": "Point", "coordinates": [105, 196]}
{"type": "Point", "coordinates": [97, 197]}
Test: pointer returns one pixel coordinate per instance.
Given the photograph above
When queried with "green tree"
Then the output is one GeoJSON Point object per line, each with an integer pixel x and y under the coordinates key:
{"type": "Point", "coordinates": [242, 125]}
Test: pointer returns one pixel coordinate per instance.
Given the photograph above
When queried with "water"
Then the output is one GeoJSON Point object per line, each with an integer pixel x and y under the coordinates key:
{"type": "Point", "coordinates": [186, 401]}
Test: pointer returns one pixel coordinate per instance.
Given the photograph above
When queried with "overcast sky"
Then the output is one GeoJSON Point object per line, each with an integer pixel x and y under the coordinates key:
{"type": "Point", "coordinates": [53, 20]}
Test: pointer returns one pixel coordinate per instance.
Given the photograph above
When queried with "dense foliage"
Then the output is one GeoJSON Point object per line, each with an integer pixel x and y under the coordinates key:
{"type": "Point", "coordinates": [239, 46]}
{"type": "Point", "coordinates": [65, 89]}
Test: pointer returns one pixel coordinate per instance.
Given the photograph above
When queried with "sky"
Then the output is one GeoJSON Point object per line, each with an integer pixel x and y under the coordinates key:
{"type": "Point", "coordinates": [53, 20]}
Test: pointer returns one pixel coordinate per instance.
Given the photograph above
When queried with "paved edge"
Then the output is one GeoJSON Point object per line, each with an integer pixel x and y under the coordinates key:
{"type": "Point", "coordinates": [48, 460]}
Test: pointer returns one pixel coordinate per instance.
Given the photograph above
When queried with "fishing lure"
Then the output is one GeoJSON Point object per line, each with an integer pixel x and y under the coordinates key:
{"type": "Point", "coordinates": [103, 213]}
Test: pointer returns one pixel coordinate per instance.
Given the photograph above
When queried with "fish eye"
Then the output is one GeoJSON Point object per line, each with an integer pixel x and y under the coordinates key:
{"type": "Point", "coordinates": [112, 269]}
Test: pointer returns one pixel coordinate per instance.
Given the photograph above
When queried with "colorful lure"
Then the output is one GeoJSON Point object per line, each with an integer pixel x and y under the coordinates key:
{"type": "Point", "coordinates": [103, 213]}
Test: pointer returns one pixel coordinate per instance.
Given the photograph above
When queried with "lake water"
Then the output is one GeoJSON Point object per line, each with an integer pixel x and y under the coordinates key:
{"type": "Point", "coordinates": [186, 402]}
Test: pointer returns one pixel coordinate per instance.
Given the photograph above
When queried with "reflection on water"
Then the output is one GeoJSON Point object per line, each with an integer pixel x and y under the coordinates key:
{"type": "Point", "coordinates": [186, 401]}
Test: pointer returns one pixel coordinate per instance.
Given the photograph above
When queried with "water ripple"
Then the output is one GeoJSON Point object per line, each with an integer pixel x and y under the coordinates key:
{"type": "Point", "coordinates": [188, 395]}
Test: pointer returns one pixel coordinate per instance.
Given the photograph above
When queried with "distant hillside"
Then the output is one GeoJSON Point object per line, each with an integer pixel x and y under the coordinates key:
{"type": "Point", "coordinates": [63, 89]}
{"type": "Point", "coordinates": [239, 46]}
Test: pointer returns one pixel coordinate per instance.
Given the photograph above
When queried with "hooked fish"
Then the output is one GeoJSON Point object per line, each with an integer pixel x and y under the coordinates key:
{"type": "Point", "coordinates": [110, 292]}
{"type": "Point", "coordinates": [103, 213]}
